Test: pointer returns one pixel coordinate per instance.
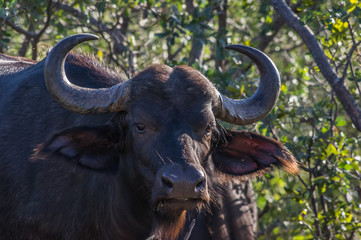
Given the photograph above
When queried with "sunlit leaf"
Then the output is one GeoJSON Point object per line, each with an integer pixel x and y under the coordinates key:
{"type": "Point", "coordinates": [298, 237]}
{"type": "Point", "coordinates": [241, 89]}
{"type": "Point", "coordinates": [100, 55]}
{"type": "Point", "coordinates": [340, 121]}
{"type": "Point", "coordinates": [323, 189]}
{"type": "Point", "coordinates": [331, 150]}
{"type": "Point", "coordinates": [351, 8]}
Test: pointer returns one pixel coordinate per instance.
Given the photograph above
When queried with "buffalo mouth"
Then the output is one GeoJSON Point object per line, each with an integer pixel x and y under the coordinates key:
{"type": "Point", "coordinates": [179, 204]}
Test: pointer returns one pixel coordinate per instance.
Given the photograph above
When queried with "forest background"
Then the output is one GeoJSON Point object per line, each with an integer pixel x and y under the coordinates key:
{"type": "Point", "coordinates": [314, 44]}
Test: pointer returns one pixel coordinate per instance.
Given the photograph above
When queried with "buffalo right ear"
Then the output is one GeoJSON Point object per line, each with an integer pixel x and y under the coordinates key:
{"type": "Point", "coordinates": [247, 153]}
{"type": "Point", "coordinates": [91, 147]}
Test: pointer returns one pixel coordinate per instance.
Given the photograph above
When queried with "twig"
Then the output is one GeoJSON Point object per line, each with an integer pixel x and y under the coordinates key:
{"type": "Point", "coordinates": [26, 42]}
{"type": "Point", "coordinates": [356, 83]}
{"type": "Point", "coordinates": [111, 55]}
{"type": "Point", "coordinates": [270, 128]}
{"type": "Point", "coordinates": [36, 39]}
{"type": "Point", "coordinates": [172, 56]}
{"type": "Point", "coordinates": [352, 234]}
{"type": "Point", "coordinates": [186, 236]}
{"type": "Point", "coordinates": [349, 55]}
{"type": "Point", "coordinates": [303, 182]}
{"type": "Point", "coordinates": [48, 18]}
{"type": "Point", "coordinates": [81, 16]}
{"type": "Point", "coordinates": [309, 228]}
{"type": "Point", "coordinates": [191, 226]}
{"type": "Point", "coordinates": [18, 28]}
{"type": "Point", "coordinates": [264, 211]}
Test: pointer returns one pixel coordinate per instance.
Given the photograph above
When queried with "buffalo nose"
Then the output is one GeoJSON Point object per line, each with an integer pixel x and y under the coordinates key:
{"type": "Point", "coordinates": [183, 183]}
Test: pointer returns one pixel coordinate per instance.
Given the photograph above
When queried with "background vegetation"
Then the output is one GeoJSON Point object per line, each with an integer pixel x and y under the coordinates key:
{"type": "Point", "coordinates": [315, 45]}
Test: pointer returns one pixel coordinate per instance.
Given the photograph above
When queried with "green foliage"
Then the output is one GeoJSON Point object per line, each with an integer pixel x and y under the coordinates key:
{"type": "Point", "coordinates": [323, 202]}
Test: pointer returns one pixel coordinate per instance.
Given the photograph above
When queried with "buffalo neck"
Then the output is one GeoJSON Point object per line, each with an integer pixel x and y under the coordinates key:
{"type": "Point", "coordinates": [132, 201]}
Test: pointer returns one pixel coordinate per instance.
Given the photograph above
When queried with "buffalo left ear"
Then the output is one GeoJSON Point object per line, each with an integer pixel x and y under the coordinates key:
{"type": "Point", "coordinates": [246, 153]}
{"type": "Point", "coordinates": [91, 147]}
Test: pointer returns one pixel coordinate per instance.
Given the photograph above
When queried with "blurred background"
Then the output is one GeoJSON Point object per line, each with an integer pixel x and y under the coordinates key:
{"type": "Point", "coordinates": [314, 44]}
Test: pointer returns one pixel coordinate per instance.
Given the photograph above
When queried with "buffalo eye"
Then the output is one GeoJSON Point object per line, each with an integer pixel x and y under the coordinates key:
{"type": "Point", "coordinates": [140, 127]}
{"type": "Point", "coordinates": [208, 131]}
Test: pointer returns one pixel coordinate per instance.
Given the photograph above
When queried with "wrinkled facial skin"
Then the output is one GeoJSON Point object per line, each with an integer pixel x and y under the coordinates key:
{"type": "Point", "coordinates": [165, 136]}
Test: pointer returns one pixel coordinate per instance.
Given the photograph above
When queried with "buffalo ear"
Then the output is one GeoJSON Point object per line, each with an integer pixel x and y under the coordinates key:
{"type": "Point", "coordinates": [91, 147]}
{"type": "Point", "coordinates": [246, 153]}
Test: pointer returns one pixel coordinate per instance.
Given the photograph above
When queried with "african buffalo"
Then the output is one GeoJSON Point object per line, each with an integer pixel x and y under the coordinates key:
{"type": "Point", "coordinates": [86, 155]}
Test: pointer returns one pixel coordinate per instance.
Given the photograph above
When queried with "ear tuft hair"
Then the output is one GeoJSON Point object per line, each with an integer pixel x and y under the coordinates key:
{"type": "Point", "coordinates": [247, 154]}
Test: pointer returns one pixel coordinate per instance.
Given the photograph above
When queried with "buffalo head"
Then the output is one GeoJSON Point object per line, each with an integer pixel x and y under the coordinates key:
{"type": "Point", "coordinates": [164, 135]}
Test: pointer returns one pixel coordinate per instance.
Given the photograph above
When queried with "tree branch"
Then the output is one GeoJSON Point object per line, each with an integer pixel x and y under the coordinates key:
{"type": "Point", "coordinates": [117, 35]}
{"type": "Point", "coordinates": [26, 42]}
{"type": "Point", "coordinates": [81, 16]}
{"type": "Point", "coordinates": [198, 43]}
{"type": "Point", "coordinates": [30, 35]}
{"type": "Point", "coordinates": [263, 40]}
{"type": "Point", "coordinates": [190, 7]}
{"type": "Point", "coordinates": [349, 55]}
{"type": "Point", "coordinates": [338, 86]}
{"type": "Point", "coordinates": [172, 56]}
{"type": "Point", "coordinates": [48, 18]}
{"type": "Point", "coordinates": [17, 28]}
{"type": "Point", "coordinates": [354, 77]}
{"type": "Point", "coordinates": [37, 36]}
{"type": "Point", "coordinates": [221, 34]}
{"type": "Point", "coordinates": [277, 24]}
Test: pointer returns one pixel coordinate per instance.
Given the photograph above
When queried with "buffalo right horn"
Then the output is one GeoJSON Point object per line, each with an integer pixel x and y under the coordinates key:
{"type": "Point", "coordinates": [80, 99]}
{"type": "Point", "coordinates": [250, 110]}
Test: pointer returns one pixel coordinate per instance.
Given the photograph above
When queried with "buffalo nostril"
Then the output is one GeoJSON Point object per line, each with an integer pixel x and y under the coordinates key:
{"type": "Point", "coordinates": [200, 184]}
{"type": "Point", "coordinates": [166, 182]}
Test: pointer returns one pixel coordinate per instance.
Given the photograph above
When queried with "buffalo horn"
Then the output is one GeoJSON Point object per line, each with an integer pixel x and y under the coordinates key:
{"type": "Point", "coordinates": [256, 107]}
{"type": "Point", "coordinates": [80, 99]}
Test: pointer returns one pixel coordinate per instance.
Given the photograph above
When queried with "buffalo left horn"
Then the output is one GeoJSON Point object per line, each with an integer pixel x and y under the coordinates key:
{"type": "Point", "coordinates": [80, 99]}
{"type": "Point", "coordinates": [256, 107]}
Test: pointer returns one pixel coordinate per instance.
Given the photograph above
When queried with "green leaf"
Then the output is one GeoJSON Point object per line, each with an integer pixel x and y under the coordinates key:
{"type": "Point", "coordinates": [351, 8]}
{"type": "Point", "coordinates": [276, 230]}
{"type": "Point", "coordinates": [340, 121]}
{"type": "Point", "coordinates": [323, 189]}
{"type": "Point", "coordinates": [336, 179]}
{"type": "Point", "coordinates": [349, 218]}
{"type": "Point", "coordinates": [299, 237]}
{"type": "Point", "coordinates": [331, 150]}
{"type": "Point", "coordinates": [242, 89]}
{"type": "Point", "coordinates": [346, 165]}
{"type": "Point", "coordinates": [328, 53]}
{"type": "Point", "coordinates": [261, 202]}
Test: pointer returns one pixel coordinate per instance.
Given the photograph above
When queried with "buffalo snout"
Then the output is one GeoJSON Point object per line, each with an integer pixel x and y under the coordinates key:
{"type": "Point", "coordinates": [182, 187]}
